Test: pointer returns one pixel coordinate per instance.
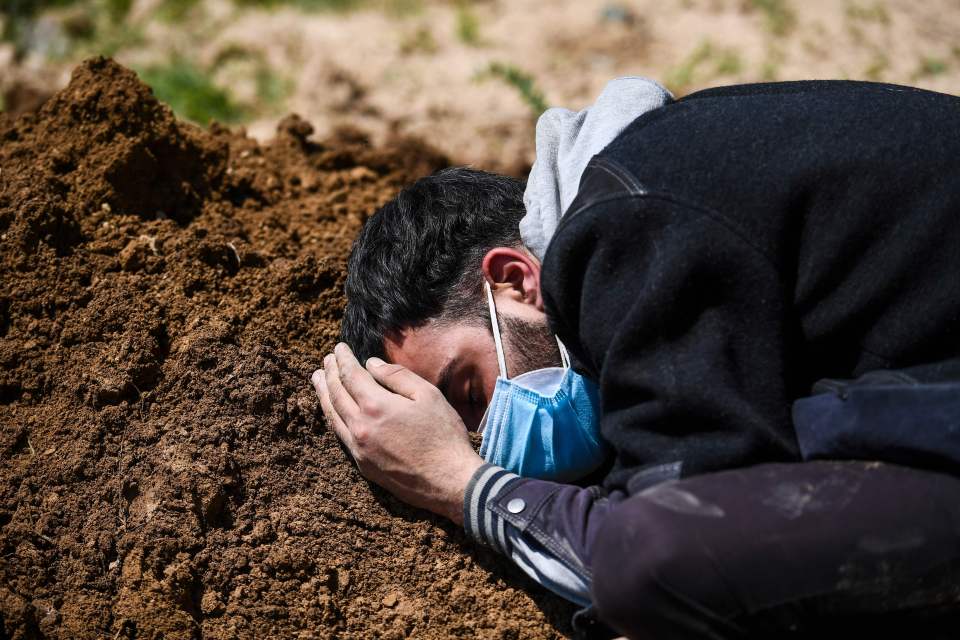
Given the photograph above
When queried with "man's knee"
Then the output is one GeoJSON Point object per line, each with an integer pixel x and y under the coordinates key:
{"type": "Point", "coordinates": [653, 574]}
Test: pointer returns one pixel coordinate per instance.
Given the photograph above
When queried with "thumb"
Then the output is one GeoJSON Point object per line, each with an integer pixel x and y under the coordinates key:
{"type": "Point", "coordinates": [397, 378]}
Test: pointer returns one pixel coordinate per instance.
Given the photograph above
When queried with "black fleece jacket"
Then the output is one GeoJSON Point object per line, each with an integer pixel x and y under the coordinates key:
{"type": "Point", "coordinates": [729, 249]}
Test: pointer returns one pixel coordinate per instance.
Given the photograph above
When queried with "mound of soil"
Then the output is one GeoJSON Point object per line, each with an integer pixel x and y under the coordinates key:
{"type": "Point", "coordinates": [165, 292]}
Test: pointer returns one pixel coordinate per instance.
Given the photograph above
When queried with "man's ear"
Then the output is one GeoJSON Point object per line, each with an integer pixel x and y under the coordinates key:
{"type": "Point", "coordinates": [515, 272]}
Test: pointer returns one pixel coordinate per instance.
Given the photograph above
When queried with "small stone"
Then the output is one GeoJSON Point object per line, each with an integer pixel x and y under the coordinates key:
{"type": "Point", "coordinates": [151, 242]}
{"type": "Point", "coordinates": [342, 578]}
{"type": "Point", "coordinates": [390, 600]}
{"type": "Point", "coordinates": [362, 173]}
{"type": "Point", "coordinates": [210, 603]}
{"type": "Point", "coordinates": [50, 620]}
{"type": "Point", "coordinates": [106, 207]}
{"type": "Point", "coordinates": [133, 257]}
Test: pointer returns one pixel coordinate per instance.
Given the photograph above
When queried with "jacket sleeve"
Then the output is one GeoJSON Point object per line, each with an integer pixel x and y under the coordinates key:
{"type": "Point", "coordinates": [544, 527]}
{"type": "Point", "coordinates": [683, 320]}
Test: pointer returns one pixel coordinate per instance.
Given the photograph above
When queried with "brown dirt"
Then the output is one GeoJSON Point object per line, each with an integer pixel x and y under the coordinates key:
{"type": "Point", "coordinates": [165, 293]}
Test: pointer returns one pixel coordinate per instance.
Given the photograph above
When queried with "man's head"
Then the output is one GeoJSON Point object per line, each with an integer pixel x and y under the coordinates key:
{"type": "Point", "coordinates": [415, 292]}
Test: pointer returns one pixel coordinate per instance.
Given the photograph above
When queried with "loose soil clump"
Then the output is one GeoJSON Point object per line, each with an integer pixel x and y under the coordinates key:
{"type": "Point", "coordinates": [165, 293]}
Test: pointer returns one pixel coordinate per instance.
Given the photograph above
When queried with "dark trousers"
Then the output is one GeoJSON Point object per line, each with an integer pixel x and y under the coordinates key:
{"type": "Point", "coordinates": [814, 549]}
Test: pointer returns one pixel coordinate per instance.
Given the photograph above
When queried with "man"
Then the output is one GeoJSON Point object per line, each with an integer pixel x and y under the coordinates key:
{"type": "Point", "coordinates": [723, 254]}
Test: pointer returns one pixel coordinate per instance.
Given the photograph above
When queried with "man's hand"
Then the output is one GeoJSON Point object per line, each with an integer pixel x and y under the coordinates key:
{"type": "Point", "coordinates": [400, 430]}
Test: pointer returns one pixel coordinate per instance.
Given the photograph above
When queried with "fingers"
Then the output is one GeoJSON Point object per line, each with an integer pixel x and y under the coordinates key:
{"type": "Point", "coordinates": [344, 405]}
{"type": "Point", "coordinates": [357, 381]}
{"type": "Point", "coordinates": [333, 418]}
{"type": "Point", "coordinates": [398, 379]}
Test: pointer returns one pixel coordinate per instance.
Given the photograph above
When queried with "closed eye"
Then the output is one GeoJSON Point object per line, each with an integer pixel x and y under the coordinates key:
{"type": "Point", "coordinates": [478, 403]}
{"type": "Point", "coordinates": [472, 398]}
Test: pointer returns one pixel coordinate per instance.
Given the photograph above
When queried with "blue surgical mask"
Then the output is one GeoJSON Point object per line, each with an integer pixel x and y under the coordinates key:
{"type": "Point", "coordinates": [544, 423]}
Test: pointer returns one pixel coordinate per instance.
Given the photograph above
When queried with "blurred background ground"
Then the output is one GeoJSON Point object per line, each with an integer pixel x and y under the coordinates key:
{"type": "Point", "coordinates": [469, 77]}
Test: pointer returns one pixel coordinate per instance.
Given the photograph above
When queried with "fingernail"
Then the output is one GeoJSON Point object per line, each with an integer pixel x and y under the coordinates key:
{"type": "Point", "coordinates": [316, 375]}
{"type": "Point", "coordinates": [326, 360]}
{"type": "Point", "coordinates": [374, 361]}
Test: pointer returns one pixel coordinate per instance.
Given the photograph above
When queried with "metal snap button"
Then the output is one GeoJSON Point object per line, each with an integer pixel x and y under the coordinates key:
{"type": "Point", "coordinates": [516, 505]}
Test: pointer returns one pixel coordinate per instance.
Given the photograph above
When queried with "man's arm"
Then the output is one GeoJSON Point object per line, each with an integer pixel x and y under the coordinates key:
{"type": "Point", "coordinates": [406, 438]}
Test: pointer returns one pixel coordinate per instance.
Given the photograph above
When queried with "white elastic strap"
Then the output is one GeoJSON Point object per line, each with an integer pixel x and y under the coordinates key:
{"type": "Point", "coordinates": [496, 330]}
{"type": "Point", "coordinates": [564, 356]}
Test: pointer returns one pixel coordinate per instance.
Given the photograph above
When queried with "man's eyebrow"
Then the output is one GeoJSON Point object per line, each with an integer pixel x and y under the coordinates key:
{"type": "Point", "coordinates": [446, 374]}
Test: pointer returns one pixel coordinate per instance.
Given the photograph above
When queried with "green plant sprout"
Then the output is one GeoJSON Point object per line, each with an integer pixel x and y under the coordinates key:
{"type": "Point", "coordinates": [175, 11]}
{"type": "Point", "coordinates": [769, 71]}
{"type": "Point", "coordinates": [877, 67]}
{"type": "Point", "coordinates": [419, 41]}
{"type": "Point", "coordinates": [681, 76]}
{"type": "Point", "coordinates": [729, 63]}
{"type": "Point", "coordinates": [930, 67]}
{"type": "Point", "coordinates": [726, 62]}
{"type": "Point", "coordinates": [307, 5]}
{"type": "Point", "coordinates": [468, 25]}
{"type": "Point", "coordinates": [118, 9]}
{"type": "Point", "coordinates": [191, 93]}
{"type": "Point", "coordinates": [402, 8]}
{"type": "Point", "coordinates": [271, 88]}
{"type": "Point", "coordinates": [876, 12]}
{"type": "Point", "coordinates": [519, 80]}
{"type": "Point", "coordinates": [779, 15]}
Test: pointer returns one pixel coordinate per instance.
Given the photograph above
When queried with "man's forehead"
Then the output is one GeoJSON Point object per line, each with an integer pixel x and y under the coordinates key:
{"type": "Point", "coordinates": [425, 350]}
{"type": "Point", "coordinates": [432, 349]}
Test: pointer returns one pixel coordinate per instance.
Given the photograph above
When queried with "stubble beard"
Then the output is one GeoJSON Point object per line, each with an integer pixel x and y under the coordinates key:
{"type": "Point", "coordinates": [529, 345]}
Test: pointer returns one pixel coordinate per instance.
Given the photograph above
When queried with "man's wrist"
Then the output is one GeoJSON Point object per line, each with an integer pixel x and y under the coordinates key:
{"type": "Point", "coordinates": [453, 507]}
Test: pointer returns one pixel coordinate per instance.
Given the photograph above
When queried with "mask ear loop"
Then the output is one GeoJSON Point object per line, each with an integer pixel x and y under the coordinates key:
{"type": "Point", "coordinates": [501, 361]}
{"type": "Point", "coordinates": [564, 356]}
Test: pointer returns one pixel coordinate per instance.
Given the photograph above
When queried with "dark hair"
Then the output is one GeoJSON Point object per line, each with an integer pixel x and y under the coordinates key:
{"type": "Point", "coordinates": [418, 258]}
